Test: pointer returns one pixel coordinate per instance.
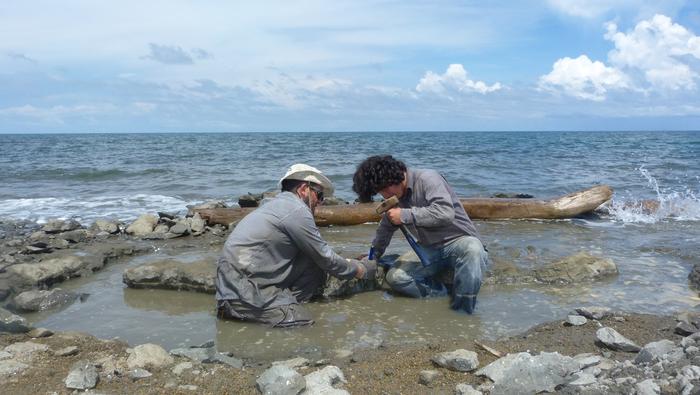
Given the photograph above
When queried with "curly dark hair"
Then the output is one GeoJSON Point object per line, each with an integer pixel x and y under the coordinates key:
{"type": "Point", "coordinates": [376, 173]}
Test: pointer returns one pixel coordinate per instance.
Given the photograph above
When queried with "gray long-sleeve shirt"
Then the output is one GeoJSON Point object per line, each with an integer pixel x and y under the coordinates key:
{"type": "Point", "coordinates": [276, 256]}
{"type": "Point", "coordinates": [431, 211]}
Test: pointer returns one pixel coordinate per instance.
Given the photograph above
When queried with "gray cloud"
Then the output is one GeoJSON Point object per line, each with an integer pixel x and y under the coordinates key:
{"type": "Point", "coordinates": [168, 54]}
{"type": "Point", "coordinates": [20, 56]}
{"type": "Point", "coordinates": [199, 53]}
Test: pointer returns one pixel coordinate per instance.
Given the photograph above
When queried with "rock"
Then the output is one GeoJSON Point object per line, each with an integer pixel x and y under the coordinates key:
{"type": "Point", "coordinates": [12, 323]}
{"type": "Point", "coordinates": [11, 367]}
{"type": "Point", "coordinates": [293, 363]}
{"type": "Point", "coordinates": [5, 355]}
{"type": "Point", "coordinates": [188, 387]}
{"type": "Point", "coordinates": [230, 361]}
{"type": "Point", "coordinates": [160, 228]}
{"type": "Point", "coordinates": [615, 341]}
{"type": "Point", "coordinates": [655, 351]}
{"type": "Point", "coordinates": [694, 276]}
{"type": "Point", "coordinates": [249, 200]}
{"type": "Point", "coordinates": [39, 300]}
{"type": "Point", "coordinates": [322, 382]}
{"type": "Point", "coordinates": [74, 236]}
{"type": "Point", "coordinates": [648, 387]}
{"type": "Point", "coordinates": [25, 350]}
{"type": "Point", "coordinates": [460, 360]}
{"type": "Point", "coordinates": [466, 389]}
{"type": "Point", "coordinates": [685, 328]}
{"type": "Point", "coordinates": [197, 224]}
{"type": "Point", "coordinates": [594, 312]}
{"type": "Point", "coordinates": [280, 379]}
{"type": "Point", "coordinates": [143, 225]}
{"type": "Point", "coordinates": [37, 248]}
{"type": "Point", "coordinates": [105, 225]}
{"type": "Point", "coordinates": [524, 373]}
{"type": "Point", "coordinates": [169, 274]}
{"type": "Point", "coordinates": [45, 273]}
{"type": "Point", "coordinates": [206, 205]}
{"type": "Point", "coordinates": [39, 332]}
{"type": "Point", "coordinates": [137, 374]}
{"type": "Point", "coordinates": [207, 355]}
{"type": "Point", "coordinates": [180, 228]}
{"type": "Point", "coordinates": [83, 375]}
{"type": "Point", "coordinates": [66, 351]}
{"type": "Point", "coordinates": [576, 268]}
{"type": "Point", "coordinates": [587, 360]}
{"type": "Point", "coordinates": [426, 377]}
{"type": "Point", "coordinates": [181, 367]}
{"type": "Point", "coordinates": [58, 226]}
{"type": "Point", "coordinates": [576, 320]}
{"type": "Point", "coordinates": [148, 355]}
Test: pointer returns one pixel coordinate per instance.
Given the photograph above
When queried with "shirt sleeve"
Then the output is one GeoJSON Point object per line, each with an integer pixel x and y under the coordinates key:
{"type": "Point", "coordinates": [439, 210]}
{"type": "Point", "coordinates": [305, 234]}
{"type": "Point", "coordinates": [383, 236]}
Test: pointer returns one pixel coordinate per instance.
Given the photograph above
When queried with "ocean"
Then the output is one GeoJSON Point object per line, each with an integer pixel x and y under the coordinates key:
{"type": "Point", "coordinates": [88, 176]}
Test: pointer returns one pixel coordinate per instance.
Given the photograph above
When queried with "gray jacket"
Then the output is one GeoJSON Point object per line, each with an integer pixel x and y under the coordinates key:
{"type": "Point", "coordinates": [276, 256]}
{"type": "Point", "coordinates": [432, 212]}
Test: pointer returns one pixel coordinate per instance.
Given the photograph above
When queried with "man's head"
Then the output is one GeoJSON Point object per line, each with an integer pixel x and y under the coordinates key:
{"type": "Point", "coordinates": [308, 183]}
{"type": "Point", "coordinates": [379, 174]}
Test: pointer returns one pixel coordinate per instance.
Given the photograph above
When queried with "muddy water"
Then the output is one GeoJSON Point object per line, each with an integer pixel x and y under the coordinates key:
{"type": "Point", "coordinates": [654, 261]}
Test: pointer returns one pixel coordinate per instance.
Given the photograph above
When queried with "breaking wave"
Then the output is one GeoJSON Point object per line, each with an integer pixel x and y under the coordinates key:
{"type": "Point", "coordinates": [668, 205]}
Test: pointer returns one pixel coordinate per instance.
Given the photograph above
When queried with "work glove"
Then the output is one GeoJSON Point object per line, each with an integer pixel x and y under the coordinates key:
{"type": "Point", "coordinates": [370, 269]}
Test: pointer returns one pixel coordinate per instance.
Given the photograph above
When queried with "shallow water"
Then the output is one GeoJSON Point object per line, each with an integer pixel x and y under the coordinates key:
{"type": "Point", "coordinates": [653, 263]}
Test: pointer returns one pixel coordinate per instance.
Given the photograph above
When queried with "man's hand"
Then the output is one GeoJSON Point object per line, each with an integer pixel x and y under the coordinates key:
{"type": "Point", "coordinates": [394, 215]}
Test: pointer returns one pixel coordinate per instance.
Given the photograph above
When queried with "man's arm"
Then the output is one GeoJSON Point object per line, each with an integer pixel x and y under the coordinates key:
{"type": "Point", "coordinates": [305, 234]}
{"type": "Point", "coordinates": [383, 236]}
{"type": "Point", "coordinates": [439, 211]}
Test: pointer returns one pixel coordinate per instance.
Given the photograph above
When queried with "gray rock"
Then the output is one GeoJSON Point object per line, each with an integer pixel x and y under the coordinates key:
{"type": "Point", "coordinates": [576, 320]}
{"type": "Point", "coordinates": [180, 228]}
{"type": "Point", "coordinates": [293, 363]}
{"type": "Point", "coordinates": [655, 351]}
{"type": "Point", "coordinates": [685, 328]}
{"type": "Point", "coordinates": [181, 367]}
{"type": "Point", "coordinates": [105, 225]}
{"type": "Point", "coordinates": [137, 374]}
{"type": "Point", "coordinates": [426, 377]}
{"type": "Point", "coordinates": [582, 379]}
{"type": "Point", "coordinates": [67, 351]}
{"type": "Point", "coordinates": [25, 350]}
{"type": "Point", "coordinates": [143, 225]}
{"type": "Point", "coordinates": [523, 373]}
{"type": "Point", "coordinates": [206, 205]}
{"type": "Point", "coordinates": [587, 360]}
{"type": "Point", "coordinates": [207, 355]}
{"type": "Point", "coordinates": [58, 226]}
{"type": "Point", "coordinates": [648, 387]}
{"type": "Point", "coordinates": [39, 300]}
{"type": "Point", "coordinates": [230, 361]}
{"type": "Point", "coordinates": [466, 389]}
{"type": "Point", "coordinates": [691, 372]}
{"type": "Point", "coordinates": [460, 360]}
{"type": "Point", "coordinates": [322, 382]}
{"type": "Point", "coordinates": [615, 341]}
{"type": "Point", "coordinates": [594, 312]}
{"type": "Point", "coordinates": [74, 236]}
{"type": "Point", "coordinates": [169, 274]}
{"type": "Point", "coordinates": [280, 379]}
{"type": "Point", "coordinates": [188, 387]}
{"type": "Point", "coordinates": [39, 332]}
{"type": "Point", "coordinates": [249, 200]}
{"type": "Point", "coordinates": [5, 355]}
{"type": "Point", "coordinates": [83, 375]}
{"type": "Point", "coordinates": [197, 224]}
{"type": "Point", "coordinates": [31, 275]}
{"type": "Point", "coordinates": [10, 367]}
{"type": "Point", "coordinates": [694, 276]}
{"type": "Point", "coordinates": [148, 355]}
{"type": "Point", "coordinates": [12, 323]}
{"type": "Point", "coordinates": [576, 268]}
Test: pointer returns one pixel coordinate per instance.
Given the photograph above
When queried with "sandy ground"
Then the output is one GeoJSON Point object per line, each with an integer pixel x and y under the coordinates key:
{"type": "Point", "coordinates": [387, 370]}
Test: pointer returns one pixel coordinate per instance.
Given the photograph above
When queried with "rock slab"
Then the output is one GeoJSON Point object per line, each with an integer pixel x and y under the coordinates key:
{"type": "Point", "coordinates": [460, 360]}
{"type": "Point", "coordinates": [83, 375]}
{"type": "Point", "coordinates": [280, 379]}
{"type": "Point", "coordinates": [615, 341]}
{"type": "Point", "coordinates": [12, 323]}
{"type": "Point", "coordinates": [524, 373]}
{"type": "Point", "coordinates": [148, 355]}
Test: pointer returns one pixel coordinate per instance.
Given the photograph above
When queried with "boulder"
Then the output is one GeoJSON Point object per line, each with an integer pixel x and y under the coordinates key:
{"type": "Point", "coordinates": [576, 320]}
{"type": "Point", "coordinates": [523, 373]}
{"type": "Point", "coordinates": [658, 350]}
{"type": "Point", "coordinates": [39, 300]}
{"type": "Point", "coordinates": [12, 323]}
{"type": "Point", "coordinates": [615, 341]}
{"type": "Point", "coordinates": [45, 273]}
{"type": "Point", "coordinates": [105, 225]}
{"type": "Point", "coordinates": [197, 224]}
{"type": "Point", "coordinates": [83, 375]}
{"type": "Point", "coordinates": [148, 355]}
{"type": "Point", "coordinates": [280, 379]}
{"type": "Point", "coordinates": [58, 226]}
{"type": "Point", "coordinates": [196, 276]}
{"type": "Point", "coordinates": [460, 360]}
{"type": "Point", "coordinates": [143, 225]}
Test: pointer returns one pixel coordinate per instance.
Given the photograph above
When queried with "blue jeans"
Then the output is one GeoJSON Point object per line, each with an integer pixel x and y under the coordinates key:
{"type": "Point", "coordinates": [466, 255]}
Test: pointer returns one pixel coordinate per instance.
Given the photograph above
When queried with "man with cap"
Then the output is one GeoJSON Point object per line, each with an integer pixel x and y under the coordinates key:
{"type": "Point", "coordinates": [275, 259]}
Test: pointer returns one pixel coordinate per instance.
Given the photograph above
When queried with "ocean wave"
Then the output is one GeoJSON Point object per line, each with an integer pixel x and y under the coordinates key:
{"type": "Point", "coordinates": [86, 210]}
{"type": "Point", "coordinates": [668, 205]}
{"type": "Point", "coordinates": [85, 175]}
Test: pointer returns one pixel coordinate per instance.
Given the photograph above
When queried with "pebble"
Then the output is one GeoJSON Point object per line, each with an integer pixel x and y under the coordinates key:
{"type": "Point", "coordinates": [39, 332]}
{"type": "Point", "coordinates": [426, 377]}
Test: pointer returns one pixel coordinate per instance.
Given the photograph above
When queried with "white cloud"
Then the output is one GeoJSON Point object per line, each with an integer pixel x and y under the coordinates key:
{"type": "Point", "coordinates": [583, 78]}
{"type": "Point", "coordinates": [168, 54]}
{"type": "Point", "coordinates": [454, 79]}
{"type": "Point", "coordinates": [658, 48]}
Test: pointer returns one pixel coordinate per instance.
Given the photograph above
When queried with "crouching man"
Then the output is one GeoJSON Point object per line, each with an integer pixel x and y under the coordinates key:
{"type": "Point", "coordinates": [275, 259]}
{"type": "Point", "coordinates": [430, 209]}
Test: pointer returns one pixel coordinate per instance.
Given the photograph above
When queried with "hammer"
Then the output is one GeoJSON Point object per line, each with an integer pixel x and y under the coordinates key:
{"type": "Point", "coordinates": [390, 203]}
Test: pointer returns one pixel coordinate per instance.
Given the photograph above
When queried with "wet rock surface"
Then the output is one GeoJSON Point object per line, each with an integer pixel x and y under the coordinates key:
{"type": "Point", "coordinates": [39, 300]}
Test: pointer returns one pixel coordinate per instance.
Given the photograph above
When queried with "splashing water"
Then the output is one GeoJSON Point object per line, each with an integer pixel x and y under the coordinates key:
{"type": "Point", "coordinates": [669, 204]}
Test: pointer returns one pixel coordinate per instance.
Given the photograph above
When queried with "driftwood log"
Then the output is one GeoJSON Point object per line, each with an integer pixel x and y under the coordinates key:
{"type": "Point", "coordinates": [566, 206]}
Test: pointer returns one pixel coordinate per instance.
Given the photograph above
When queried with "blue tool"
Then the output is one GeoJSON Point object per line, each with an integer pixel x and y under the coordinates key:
{"type": "Point", "coordinates": [422, 255]}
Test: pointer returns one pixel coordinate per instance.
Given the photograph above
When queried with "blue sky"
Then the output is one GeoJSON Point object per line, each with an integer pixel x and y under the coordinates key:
{"type": "Point", "coordinates": [218, 66]}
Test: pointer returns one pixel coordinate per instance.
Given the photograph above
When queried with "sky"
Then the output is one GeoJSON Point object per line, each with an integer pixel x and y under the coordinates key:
{"type": "Point", "coordinates": [376, 65]}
